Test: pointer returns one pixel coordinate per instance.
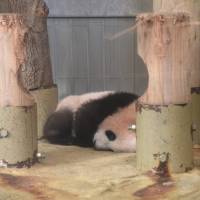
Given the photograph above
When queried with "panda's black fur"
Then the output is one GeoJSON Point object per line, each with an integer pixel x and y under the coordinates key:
{"type": "Point", "coordinates": [90, 115]}
{"type": "Point", "coordinates": [58, 127]}
{"type": "Point", "coordinates": [65, 127]}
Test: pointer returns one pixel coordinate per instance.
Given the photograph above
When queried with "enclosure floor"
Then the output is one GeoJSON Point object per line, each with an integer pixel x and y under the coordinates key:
{"type": "Point", "coordinates": [72, 173]}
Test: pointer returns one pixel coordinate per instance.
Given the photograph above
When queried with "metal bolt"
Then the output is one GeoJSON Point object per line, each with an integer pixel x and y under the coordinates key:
{"type": "Point", "coordinates": [3, 133]}
{"type": "Point", "coordinates": [163, 157]}
{"type": "Point", "coordinates": [40, 156]}
{"type": "Point", "coordinates": [132, 127]}
{"type": "Point", "coordinates": [3, 164]}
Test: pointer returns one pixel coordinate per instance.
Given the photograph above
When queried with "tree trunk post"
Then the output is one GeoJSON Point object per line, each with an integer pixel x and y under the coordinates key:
{"type": "Point", "coordinates": [43, 89]}
{"type": "Point", "coordinates": [164, 116]}
{"type": "Point", "coordinates": [193, 8]}
{"type": "Point", "coordinates": [40, 83]}
{"type": "Point", "coordinates": [18, 119]}
{"type": "Point", "coordinates": [47, 100]}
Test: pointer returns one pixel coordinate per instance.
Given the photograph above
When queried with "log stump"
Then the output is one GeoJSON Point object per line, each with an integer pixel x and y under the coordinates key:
{"type": "Point", "coordinates": [196, 117]}
{"type": "Point", "coordinates": [35, 14]}
{"type": "Point", "coordinates": [36, 76]}
{"type": "Point", "coordinates": [18, 144]}
{"type": "Point", "coordinates": [164, 115]}
{"type": "Point", "coordinates": [193, 8]}
{"type": "Point", "coordinates": [46, 100]}
{"type": "Point", "coordinates": [18, 119]}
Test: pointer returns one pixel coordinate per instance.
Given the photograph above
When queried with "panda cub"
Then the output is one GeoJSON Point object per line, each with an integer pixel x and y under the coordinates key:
{"type": "Point", "coordinates": [99, 120]}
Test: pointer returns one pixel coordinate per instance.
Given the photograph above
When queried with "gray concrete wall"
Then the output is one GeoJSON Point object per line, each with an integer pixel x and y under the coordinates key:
{"type": "Point", "coordinates": [97, 8]}
{"type": "Point", "coordinates": [93, 45]}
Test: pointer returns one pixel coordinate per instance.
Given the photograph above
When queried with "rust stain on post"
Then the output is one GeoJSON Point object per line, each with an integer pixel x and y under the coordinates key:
{"type": "Point", "coordinates": [25, 164]}
{"type": "Point", "coordinates": [195, 90]}
{"type": "Point", "coordinates": [163, 182]}
{"type": "Point", "coordinates": [139, 107]}
{"type": "Point", "coordinates": [163, 169]}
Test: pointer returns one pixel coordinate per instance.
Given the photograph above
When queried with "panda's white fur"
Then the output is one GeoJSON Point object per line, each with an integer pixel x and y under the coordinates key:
{"type": "Point", "coordinates": [90, 116]}
{"type": "Point", "coordinates": [73, 102]}
{"type": "Point", "coordinates": [118, 123]}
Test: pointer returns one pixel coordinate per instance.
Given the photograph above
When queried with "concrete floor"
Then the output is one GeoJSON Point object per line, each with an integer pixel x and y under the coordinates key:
{"type": "Point", "coordinates": [72, 173]}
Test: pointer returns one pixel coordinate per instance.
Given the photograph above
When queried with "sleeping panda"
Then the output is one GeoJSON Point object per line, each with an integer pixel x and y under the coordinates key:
{"type": "Point", "coordinates": [99, 120]}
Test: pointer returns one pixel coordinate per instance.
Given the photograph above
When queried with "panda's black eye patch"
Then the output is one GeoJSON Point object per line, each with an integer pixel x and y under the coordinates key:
{"type": "Point", "coordinates": [110, 135]}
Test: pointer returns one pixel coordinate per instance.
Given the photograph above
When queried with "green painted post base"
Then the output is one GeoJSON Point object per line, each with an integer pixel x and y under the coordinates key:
{"type": "Point", "coordinates": [18, 136]}
{"type": "Point", "coordinates": [47, 100]}
{"type": "Point", "coordinates": [196, 118]}
{"type": "Point", "coordinates": [164, 138]}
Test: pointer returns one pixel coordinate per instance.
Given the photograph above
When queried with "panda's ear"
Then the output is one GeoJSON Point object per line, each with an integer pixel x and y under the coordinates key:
{"type": "Point", "coordinates": [110, 135]}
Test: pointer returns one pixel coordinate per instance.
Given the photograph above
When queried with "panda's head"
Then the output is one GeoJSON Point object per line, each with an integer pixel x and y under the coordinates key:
{"type": "Point", "coordinates": [98, 119]}
{"type": "Point", "coordinates": [110, 140]}
{"type": "Point", "coordinates": [114, 133]}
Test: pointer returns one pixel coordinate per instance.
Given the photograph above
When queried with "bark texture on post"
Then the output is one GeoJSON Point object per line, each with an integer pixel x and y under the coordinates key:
{"type": "Point", "coordinates": [164, 115]}
{"type": "Point", "coordinates": [14, 52]}
{"type": "Point", "coordinates": [36, 75]}
{"type": "Point", "coordinates": [193, 8]}
{"type": "Point", "coordinates": [18, 119]}
{"type": "Point", "coordinates": [35, 14]}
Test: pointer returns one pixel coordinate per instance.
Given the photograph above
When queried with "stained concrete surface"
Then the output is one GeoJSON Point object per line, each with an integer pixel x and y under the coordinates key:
{"type": "Point", "coordinates": [73, 173]}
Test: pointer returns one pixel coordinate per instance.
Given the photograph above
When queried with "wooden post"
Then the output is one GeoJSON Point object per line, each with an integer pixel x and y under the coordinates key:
{"type": "Point", "coordinates": [41, 84]}
{"type": "Point", "coordinates": [193, 8]}
{"type": "Point", "coordinates": [47, 100]}
{"type": "Point", "coordinates": [190, 6]}
{"type": "Point", "coordinates": [18, 119]}
{"type": "Point", "coordinates": [35, 14]}
{"type": "Point", "coordinates": [164, 118]}
{"type": "Point", "coordinates": [195, 84]}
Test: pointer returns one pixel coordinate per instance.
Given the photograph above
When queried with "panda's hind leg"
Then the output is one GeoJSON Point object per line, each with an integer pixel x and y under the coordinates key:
{"type": "Point", "coordinates": [58, 127]}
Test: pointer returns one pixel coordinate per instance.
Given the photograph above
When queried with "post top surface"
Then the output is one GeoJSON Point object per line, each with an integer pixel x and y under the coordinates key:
{"type": "Point", "coordinates": [161, 16]}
